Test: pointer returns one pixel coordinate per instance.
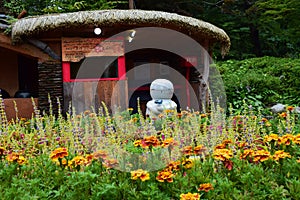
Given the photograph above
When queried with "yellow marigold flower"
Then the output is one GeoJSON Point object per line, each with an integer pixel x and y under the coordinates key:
{"type": "Point", "coordinates": [203, 115]}
{"type": "Point", "coordinates": [21, 160]}
{"type": "Point", "coordinates": [205, 187]}
{"type": "Point", "coordinates": [247, 153]}
{"type": "Point", "coordinates": [280, 155]}
{"type": "Point", "coordinates": [190, 196]}
{"type": "Point", "coordinates": [261, 156]}
{"type": "Point", "coordinates": [271, 137]}
{"type": "Point", "coordinates": [140, 174]}
{"type": "Point", "coordinates": [130, 109]}
{"type": "Point", "coordinates": [198, 150]}
{"type": "Point", "coordinates": [188, 163]}
{"type": "Point", "coordinates": [78, 160]}
{"type": "Point", "coordinates": [137, 143]}
{"type": "Point", "coordinates": [286, 139]}
{"type": "Point", "coordinates": [2, 150]}
{"type": "Point", "coordinates": [165, 175]}
{"type": "Point", "coordinates": [60, 152]}
{"type": "Point", "coordinates": [222, 154]}
{"type": "Point", "coordinates": [134, 119]}
{"type": "Point", "coordinates": [167, 111]}
{"type": "Point", "coordinates": [296, 139]}
{"type": "Point", "coordinates": [173, 166]}
{"type": "Point", "coordinates": [169, 142]}
{"type": "Point", "coordinates": [188, 150]}
{"type": "Point", "coordinates": [268, 124]}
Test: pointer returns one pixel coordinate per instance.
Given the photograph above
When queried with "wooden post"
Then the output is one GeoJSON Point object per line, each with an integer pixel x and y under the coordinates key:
{"type": "Point", "coordinates": [131, 4]}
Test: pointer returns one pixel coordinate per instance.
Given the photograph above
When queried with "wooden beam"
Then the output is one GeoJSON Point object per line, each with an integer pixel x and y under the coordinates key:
{"type": "Point", "coordinates": [24, 48]}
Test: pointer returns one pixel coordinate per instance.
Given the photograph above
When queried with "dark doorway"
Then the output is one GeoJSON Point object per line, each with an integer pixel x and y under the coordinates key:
{"type": "Point", "coordinates": [28, 75]}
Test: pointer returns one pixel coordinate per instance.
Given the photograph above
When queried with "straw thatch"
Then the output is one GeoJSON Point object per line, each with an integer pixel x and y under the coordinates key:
{"type": "Point", "coordinates": [28, 27]}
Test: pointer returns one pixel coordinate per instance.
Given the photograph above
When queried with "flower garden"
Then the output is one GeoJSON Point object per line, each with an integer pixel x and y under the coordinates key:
{"type": "Point", "coordinates": [187, 155]}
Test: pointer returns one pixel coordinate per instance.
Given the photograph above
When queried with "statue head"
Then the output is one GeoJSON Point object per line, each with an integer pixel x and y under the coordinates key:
{"type": "Point", "coordinates": [161, 89]}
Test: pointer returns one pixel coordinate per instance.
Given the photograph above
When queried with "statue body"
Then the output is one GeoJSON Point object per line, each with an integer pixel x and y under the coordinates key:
{"type": "Point", "coordinates": [161, 91]}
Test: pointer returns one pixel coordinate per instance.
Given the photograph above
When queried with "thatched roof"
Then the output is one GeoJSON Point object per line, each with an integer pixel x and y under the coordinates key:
{"type": "Point", "coordinates": [28, 27]}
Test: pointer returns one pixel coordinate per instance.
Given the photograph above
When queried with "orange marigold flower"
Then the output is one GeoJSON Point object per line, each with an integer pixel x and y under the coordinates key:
{"type": "Point", "coordinates": [190, 196]}
{"type": "Point", "coordinates": [271, 137]}
{"type": "Point", "coordinates": [198, 150]}
{"type": "Point", "coordinates": [222, 154]}
{"type": "Point", "coordinates": [16, 157]}
{"type": "Point", "coordinates": [140, 174]}
{"type": "Point", "coordinates": [227, 142]}
{"type": "Point", "coordinates": [150, 141]}
{"type": "Point", "coordinates": [2, 150]}
{"type": "Point", "coordinates": [264, 119]}
{"type": "Point", "coordinates": [283, 115]}
{"type": "Point", "coordinates": [205, 187]}
{"type": "Point", "coordinates": [261, 156]}
{"type": "Point", "coordinates": [13, 157]}
{"type": "Point", "coordinates": [60, 152]}
{"type": "Point", "coordinates": [280, 154]}
{"type": "Point", "coordinates": [188, 150]}
{"type": "Point", "coordinates": [173, 166]}
{"type": "Point", "coordinates": [220, 146]}
{"type": "Point", "coordinates": [296, 139]}
{"type": "Point", "coordinates": [187, 163]}
{"type": "Point", "coordinates": [290, 108]}
{"type": "Point", "coordinates": [247, 153]}
{"type": "Point", "coordinates": [286, 139]}
{"type": "Point", "coordinates": [165, 175]}
{"type": "Point", "coordinates": [89, 157]}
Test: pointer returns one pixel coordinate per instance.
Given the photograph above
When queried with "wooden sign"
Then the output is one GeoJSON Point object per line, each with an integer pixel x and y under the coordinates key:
{"type": "Point", "coordinates": [75, 49]}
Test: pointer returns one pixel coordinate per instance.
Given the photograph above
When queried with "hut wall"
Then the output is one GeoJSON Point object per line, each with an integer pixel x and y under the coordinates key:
{"type": "Point", "coordinates": [88, 95]}
{"type": "Point", "coordinates": [50, 82]}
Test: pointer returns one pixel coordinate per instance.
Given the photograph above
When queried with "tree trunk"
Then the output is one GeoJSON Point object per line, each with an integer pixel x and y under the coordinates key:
{"type": "Point", "coordinates": [254, 34]}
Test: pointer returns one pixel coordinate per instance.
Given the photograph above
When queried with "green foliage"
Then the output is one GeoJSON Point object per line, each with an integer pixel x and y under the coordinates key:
{"type": "Point", "coordinates": [38, 7]}
{"type": "Point", "coordinates": [261, 82]}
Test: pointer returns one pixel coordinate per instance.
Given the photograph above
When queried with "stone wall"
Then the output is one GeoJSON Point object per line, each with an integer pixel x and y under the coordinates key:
{"type": "Point", "coordinates": [50, 82]}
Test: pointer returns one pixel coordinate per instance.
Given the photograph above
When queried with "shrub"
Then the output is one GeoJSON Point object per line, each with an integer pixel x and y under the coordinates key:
{"type": "Point", "coordinates": [261, 82]}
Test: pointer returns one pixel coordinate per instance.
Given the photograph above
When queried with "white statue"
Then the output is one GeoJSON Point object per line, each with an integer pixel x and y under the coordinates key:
{"type": "Point", "coordinates": [161, 91]}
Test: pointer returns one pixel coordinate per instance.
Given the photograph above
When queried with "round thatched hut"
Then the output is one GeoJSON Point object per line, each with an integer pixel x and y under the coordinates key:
{"type": "Point", "coordinates": [129, 39]}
